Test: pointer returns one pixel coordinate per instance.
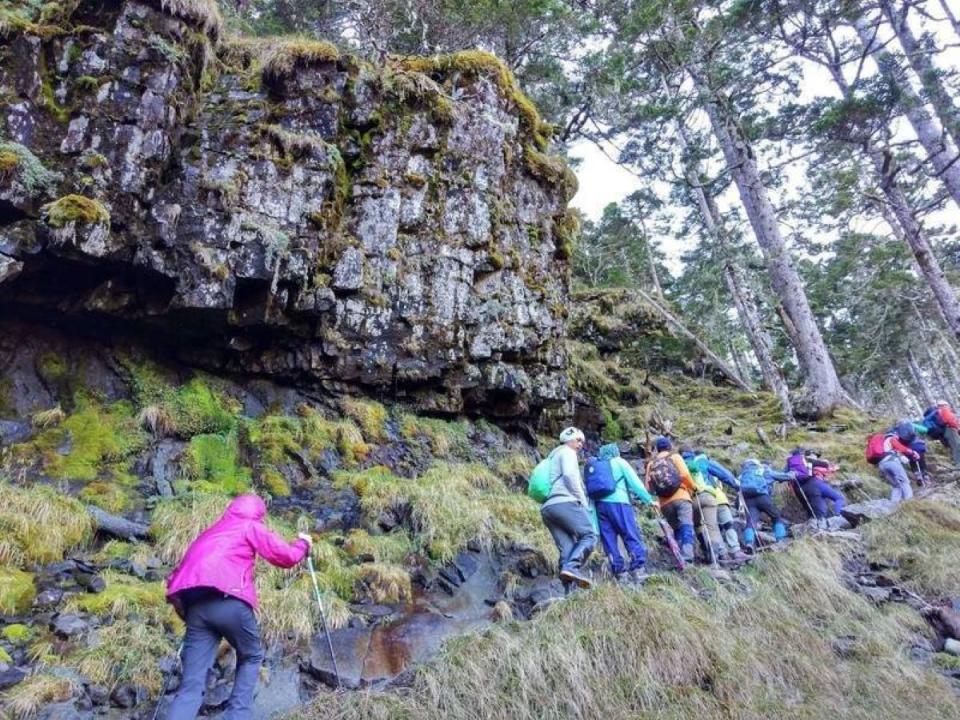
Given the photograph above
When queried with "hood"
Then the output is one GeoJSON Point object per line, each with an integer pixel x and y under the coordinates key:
{"type": "Point", "coordinates": [247, 507]}
{"type": "Point", "coordinates": [905, 430]}
{"type": "Point", "coordinates": [749, 464]}
{"type": "Point", "coordinates": [608, 451]}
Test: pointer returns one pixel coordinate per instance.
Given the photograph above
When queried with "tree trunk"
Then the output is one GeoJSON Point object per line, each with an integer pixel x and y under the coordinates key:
{"type": "Point", "coordinates": [823, 388]}
{"type": "Point", "coordinates": [940, 150]}
{"type": "Point", "coordinates": [928, 74]}
{"type": "Point", "coordinates": [673, 320]}
{"type": "Point", "coordinates": [951, 17]}
{"type": "Point", "coordinates": [759, 338]}
{"type": "Point", "coordinates": [918, 380]}
{"type": "Point", "coordinates": [886, 169]}
{"type": "Point", "coordinates": [654, 275]}
{"type": "Point", "coordinates": [739, 362]}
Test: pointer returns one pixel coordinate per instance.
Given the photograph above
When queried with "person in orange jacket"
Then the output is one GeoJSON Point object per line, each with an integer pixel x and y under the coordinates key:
{"type": "Point", "coordinates": [942, 424]}
{"type": "Point", "coordinates": [669, 479]}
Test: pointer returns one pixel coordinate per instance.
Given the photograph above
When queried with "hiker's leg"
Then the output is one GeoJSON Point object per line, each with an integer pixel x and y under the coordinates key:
{"type": "Point", "coordinates": [238, 624]}
{"type": "Point", "coordinates": [708, 509]}
{"type": "Point", "coordinates": [727, 529]}
{"type": "Point", "coordinates": [811, 491]}
{"type": "Point", "coordinates": [766, 504]}
{"type": "Point", "coordinates": [627, 527]}
{"type": "Point", "coordinates": [952, 440]}
{"type": "Point", "coordinates": [561, 538]}
{"type": "Point", "coordinates": [574, 522]}
{"type": "Point", "coordinates": [828, 492]}
{"type": "Point", "coordinates": [753, 519]}
{"type": "Point", "coordinates": [683, 513]}
{"type": "Point", "coordinates": [606, 518]}
{"type": "Point", "coordinates": [896, 477]}
{"type": "Point", "coordinates": [200, 644]}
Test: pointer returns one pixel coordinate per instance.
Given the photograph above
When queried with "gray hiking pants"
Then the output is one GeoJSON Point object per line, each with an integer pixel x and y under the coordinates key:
{"type": "Point", "coordinates": [569, 524]}
{"type": "Point", "coordinates": [894, 473]}
{"type": "Point", "coordinates": [211, 616]}
{"type": "Point", "coordinates": [952, 440]}
{"type": "Point", "coordinates": [705, 519]}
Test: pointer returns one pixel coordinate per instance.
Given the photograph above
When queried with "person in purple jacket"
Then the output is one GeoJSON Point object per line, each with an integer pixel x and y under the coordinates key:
{"type": "Point", "coordinates": [213, 590]}
{"type": "Point", "coordinates": [812, 490]}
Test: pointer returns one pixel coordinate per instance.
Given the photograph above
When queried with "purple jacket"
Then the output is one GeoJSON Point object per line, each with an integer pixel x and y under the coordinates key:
{"type": "Point", "coordinates": [796, 463]}
{"type": "Point", "coordinates": [224, 555]}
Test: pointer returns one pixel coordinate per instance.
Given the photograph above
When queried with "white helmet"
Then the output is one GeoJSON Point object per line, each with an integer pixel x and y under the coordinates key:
{"type": "Point", "coordinates": [571, 433]}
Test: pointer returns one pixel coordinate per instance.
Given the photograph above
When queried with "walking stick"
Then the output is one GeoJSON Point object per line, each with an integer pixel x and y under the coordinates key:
{"type": "Point", "coordinates": [667, 532]}
{"type": "Point", "coordinates": [806, 502]}
{"type": "Point", "coordinates": [323, 619]}
{"type": "Point", "coordinates": [705, 534]}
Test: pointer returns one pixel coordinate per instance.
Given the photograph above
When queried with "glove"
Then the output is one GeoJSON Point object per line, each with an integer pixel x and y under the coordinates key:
{"type": "Point", "coordinates": [307, 538]}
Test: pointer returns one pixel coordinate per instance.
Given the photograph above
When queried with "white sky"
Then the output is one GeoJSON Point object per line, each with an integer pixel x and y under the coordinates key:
{"type": "Point", "coordinates": [603, 181]}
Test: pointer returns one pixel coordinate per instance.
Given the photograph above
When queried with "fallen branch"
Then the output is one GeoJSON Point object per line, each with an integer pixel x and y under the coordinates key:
{"type": "Point", "coordinates": [117, 526]}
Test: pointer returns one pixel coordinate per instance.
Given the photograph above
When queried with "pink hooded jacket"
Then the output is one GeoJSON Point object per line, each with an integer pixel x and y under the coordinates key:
{"type": "Point", "coordinates": [223, 556]}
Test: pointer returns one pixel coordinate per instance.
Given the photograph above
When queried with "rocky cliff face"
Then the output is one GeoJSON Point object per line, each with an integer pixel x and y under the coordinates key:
{"type": "Point", "coordinates": [278, 209]}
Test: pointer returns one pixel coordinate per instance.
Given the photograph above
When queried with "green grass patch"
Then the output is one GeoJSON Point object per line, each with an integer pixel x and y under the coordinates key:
{"type": "Point", "coordinates": [211, 463]}
{"type": "Point", "coordinates": [16, 591]}
{"type": "Point", "coordinates": [125, 597]}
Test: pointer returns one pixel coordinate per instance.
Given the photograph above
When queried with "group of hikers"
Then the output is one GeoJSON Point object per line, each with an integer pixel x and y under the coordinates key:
{"type": "Point", "coordinates": [692, 493]}
{"type": "Point", "coordinates": [213, 587]}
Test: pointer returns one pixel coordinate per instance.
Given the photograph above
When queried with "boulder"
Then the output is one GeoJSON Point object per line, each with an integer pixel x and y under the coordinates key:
{"type": "Point", "coordinates": [868, 510]}
{"type": "Point", "coordinates": [350, 646]}
{"type": "Point", "coordinates": [10, 677]}
{"type": "Point", "coordinates": [69, 625]}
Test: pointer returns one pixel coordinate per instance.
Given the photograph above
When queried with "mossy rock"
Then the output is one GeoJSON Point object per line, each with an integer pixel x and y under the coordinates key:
{"type": "Point", "coordinates": [17, 591]}
{"type": "Point", "coordinates": [17, 633]}
{"type": "Point", "coordinates": [75, 209]}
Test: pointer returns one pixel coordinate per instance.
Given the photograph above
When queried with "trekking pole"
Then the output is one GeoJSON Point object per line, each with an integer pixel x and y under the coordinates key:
{"type": "Point", "coordinates": [166, 681]}
{"type": "Point", "coordinates": [705, 534]}
{"type": "Point", "coordinates": [756, 531]}
{"type": "Point", "coordinates": [323, 619]}
{"type": "Point", "coordinates": [668, 538]}
{"type": "Point", "coordinates": [806, 502]}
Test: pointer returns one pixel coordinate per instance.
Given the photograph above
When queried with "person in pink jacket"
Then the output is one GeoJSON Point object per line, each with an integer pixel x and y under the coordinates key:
{"type": "Point", "coordinates": [213, 590]}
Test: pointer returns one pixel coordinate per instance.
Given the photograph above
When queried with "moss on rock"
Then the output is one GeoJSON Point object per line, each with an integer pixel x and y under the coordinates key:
{"type": "Point", "coordinates": [75, 209]}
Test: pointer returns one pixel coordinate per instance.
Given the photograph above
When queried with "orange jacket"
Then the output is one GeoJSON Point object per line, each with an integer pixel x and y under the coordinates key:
{"type": "Point", "coordinates": [687, 487]}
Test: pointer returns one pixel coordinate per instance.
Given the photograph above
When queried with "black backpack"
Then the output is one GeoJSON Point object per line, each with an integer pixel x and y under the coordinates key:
{"type": "Point", "coordinates": [664, 478]}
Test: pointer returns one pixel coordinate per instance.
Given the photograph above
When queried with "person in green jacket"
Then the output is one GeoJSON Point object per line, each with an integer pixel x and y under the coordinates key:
{"type": "Point", "coordinates": [616, 519]}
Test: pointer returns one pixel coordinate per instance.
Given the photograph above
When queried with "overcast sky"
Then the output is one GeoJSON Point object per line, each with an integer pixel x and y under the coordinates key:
{"type": "Point", "coordinates": [602, 181]}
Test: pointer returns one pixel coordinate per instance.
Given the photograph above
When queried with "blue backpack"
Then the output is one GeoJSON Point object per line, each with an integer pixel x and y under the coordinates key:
{"type": "Point", "coordinates": [753, 482]}
{"type": "Point", "coordinates": [598, 478]}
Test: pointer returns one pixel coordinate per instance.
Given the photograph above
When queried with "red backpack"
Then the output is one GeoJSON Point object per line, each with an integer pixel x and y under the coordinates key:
{"type": "Point", "coordinates": [875, 451]}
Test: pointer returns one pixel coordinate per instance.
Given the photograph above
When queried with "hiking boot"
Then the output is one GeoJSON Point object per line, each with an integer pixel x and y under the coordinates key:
{"type": "Point", "coordinates": [576, 577]}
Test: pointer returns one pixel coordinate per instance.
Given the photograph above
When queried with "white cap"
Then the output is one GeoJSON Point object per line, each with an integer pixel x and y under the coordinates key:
{"type": "Point", "coordinates": [571, 433]}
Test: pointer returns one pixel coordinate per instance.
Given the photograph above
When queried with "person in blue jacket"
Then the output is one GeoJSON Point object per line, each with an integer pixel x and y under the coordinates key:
{"type": "Point", "coordinates": [616, 519]}
{"type": "Point", "coordinates": [942, 424]}
{"type": "Point", "coordinates": [755, 481]}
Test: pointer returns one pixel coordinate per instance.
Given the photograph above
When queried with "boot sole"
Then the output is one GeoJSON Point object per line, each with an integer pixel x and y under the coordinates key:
{"type": "Point", "coordinates": [580, 581]}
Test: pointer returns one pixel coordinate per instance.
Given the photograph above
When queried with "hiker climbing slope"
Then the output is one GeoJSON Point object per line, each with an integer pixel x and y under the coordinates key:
{"type": "Point", "coordinates": [812, 491]}
{"type": "Point", "coordinates": [669, 479]}
{"type": "Point", "coordinates": [888, 452]}
{"type": "Point", "coordinates": [565, 510]}
{"type": "Point", "coordinates": [706, 509]}
{"type": "Point", "coordinates": [942, 424]}
{"type": "Point", "coordinates": [756, 478]}
{"type": "Point", "coordinates": [717, 477]}
{"type": "Point", "coordinates": [213, 590]}
{"type": "Point", "coordinates": [614, 511]}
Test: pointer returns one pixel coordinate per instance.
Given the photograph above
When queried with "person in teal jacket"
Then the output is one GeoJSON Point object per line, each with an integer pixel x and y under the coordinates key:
{"type": "Point", "coordinates": [615, 516]}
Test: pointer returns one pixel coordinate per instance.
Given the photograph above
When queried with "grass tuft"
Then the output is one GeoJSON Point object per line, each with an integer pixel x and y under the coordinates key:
{"type": "Point", "coordinates": [27, 699]}
{"type": "Point", "coordinates": [75, 209]}
{"type": "Point", "coordinates": [40, 525]}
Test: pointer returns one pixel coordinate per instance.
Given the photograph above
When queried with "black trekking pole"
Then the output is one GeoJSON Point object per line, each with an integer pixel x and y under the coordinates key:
{"type": "Point", "coordinates": [669, 539]}
{"type": "Point", "coordinates": [323, 619]}
{"type": "Point", "coordinates": [745, 509]}
{"type": "Point", "coordinates": [705, 534]}
{"type": "Point", "coordinates": [813, 515]}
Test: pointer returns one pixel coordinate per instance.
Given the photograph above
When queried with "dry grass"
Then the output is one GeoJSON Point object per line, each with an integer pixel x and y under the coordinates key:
{"type": "Point", "coordinates": [176, 522]}
{"type": "Point", "coordinates": [921, 541]}
{"type": "Point", "coordinates": [288, 605]}
{"type": "Point", "coordinates": [125, 652]}
{"type": "Point", "coordinates": [370, 415]}
{"type": "Point", "coordinates": [40, 525]}
{"type": "Point", "coordinates": [452, 504]}
{"type": "Point", "coordinates": [125, 597]}
{"type": "Point", "coordinates": [383, 583]}
{"type": "Point", "coordinates": [157, 420]}
{"type": "Point", "coordinates": [769, 649]}
{"type": "Point", "coordinates": [283, 56]}
{"type": "Point", "coordinates": [205, 13]}
{"type": "Point", "coordinates": [24, 701]}
{"type": "Point", "coordinates": [49, 418]}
